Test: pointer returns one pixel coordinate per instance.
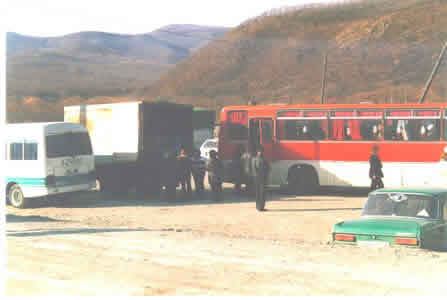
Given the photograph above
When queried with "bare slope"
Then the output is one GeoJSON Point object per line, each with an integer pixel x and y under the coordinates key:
{"type": "Point", "coordinates": [381, 50]}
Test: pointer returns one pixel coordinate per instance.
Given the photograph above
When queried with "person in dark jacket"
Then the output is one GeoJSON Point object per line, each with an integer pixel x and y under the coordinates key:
{"type": "Point", "coordinates": [375, 169]}
{"type": "Point", "coordinates": [198, 172]}
{"type": "Point", "coordinates": [237, 171]}
{"type": "Point", "coordinates": [260, 170]}
{"type": "Point", "coordinates": [184, 169]}
{"type": "Point", "coordinates": [246, 170]}
{"type": "Point", "coordinates": [215, 175]}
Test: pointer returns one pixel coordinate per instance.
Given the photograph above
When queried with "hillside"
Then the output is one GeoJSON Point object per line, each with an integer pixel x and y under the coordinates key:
{"type": "Point", "coordinates": [378, 51]}
{"type": "Point", "coordinates": [88, 66]}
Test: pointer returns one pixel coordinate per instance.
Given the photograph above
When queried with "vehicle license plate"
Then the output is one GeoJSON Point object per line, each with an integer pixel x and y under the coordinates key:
{"type": "Point", "coordinates": [373, 244]}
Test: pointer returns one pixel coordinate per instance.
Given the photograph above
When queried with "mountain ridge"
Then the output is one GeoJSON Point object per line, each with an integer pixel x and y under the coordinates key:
{"type": "Point", "coordinates": [92, 65]}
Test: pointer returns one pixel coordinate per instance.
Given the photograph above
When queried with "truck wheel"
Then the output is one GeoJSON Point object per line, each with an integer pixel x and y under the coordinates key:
{"type": "Point", "coordinates": [16, 198]}
{"type": "Point", "coordinates": [302, 180]}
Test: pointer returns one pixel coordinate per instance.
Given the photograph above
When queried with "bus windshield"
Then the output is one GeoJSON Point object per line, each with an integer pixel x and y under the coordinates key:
{"type": "Point", "coordinates": [68, 144]}
{"type": "Point", "coordinates": [401, 205]}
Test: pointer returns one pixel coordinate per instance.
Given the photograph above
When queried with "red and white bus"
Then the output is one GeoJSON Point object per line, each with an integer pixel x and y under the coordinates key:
{"type": "Point", "coordinates": [330, 144]}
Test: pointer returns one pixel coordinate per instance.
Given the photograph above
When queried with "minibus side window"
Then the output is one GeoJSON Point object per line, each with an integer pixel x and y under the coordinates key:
{"type": "Point", "coordinates": [30, 151]}
{"type": "Point", "coordinates": [16, 151]}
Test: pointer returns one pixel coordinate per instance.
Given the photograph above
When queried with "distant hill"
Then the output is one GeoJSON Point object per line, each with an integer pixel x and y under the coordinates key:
{"type": "Point", "coordinates": [87, 66]}
{"type": "Point", "coordinates": [378, 51]}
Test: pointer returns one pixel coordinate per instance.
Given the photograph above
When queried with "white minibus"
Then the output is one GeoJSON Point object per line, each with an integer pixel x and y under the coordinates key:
{"type": "Point", "coordinates": [45, 159]}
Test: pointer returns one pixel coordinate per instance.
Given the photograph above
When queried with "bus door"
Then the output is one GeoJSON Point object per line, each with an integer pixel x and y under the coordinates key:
{"type": "Point", "coordinates": [261, 133]}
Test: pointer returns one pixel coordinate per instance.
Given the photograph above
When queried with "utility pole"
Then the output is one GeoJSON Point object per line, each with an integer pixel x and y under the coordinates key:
{"type": "Point", "coordinates": [323, 80]}
{"type": "Point", "coordinates": [433, 73]}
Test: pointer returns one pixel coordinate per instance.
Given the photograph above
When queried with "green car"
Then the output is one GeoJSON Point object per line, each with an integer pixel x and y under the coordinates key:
{"type": "Point", "coordinates": [414, 217]}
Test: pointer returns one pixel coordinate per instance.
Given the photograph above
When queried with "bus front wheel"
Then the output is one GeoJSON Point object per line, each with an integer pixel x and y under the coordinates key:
{"type": "Point", "coordinates": [16, 198]}
{"type": "Point", "coordinates": [302, 180]}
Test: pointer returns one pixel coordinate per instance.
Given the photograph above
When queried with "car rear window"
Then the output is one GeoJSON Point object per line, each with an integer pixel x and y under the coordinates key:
{"type": "Point", "coordinates": [401, 205]}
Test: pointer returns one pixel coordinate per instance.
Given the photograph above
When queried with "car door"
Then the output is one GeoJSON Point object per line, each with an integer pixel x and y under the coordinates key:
{"type": "Point", "coordinates": [442, 227]}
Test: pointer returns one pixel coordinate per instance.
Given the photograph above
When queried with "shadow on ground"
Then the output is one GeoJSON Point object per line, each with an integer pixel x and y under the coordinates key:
{"type": "Point", "coordinates": [316, 209]}
{"type": "Point", "coordinates": [11, 218]}
{"type": "Point", "coordinates": [29, 233]}
{"type": "Point", "coordinates": [96, 199]}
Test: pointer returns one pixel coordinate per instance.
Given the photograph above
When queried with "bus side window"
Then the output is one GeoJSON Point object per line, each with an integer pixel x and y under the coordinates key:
{"type": "Point", "coordinates": [30, 151]}
{"type": "Point", "coordinates": [16, 151]}
{"type": "Point", "coordinates": [304, 130]}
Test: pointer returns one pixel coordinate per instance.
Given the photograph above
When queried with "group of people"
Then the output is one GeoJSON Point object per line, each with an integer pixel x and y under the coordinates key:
{"type": "Point", "coordinates": [248, 167]}
{"type": "Point", "coordinates": [179, 170]}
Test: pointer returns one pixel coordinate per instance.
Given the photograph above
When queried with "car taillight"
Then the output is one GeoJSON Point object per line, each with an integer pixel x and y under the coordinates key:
{"type": "Point", "coordinates": [345, 237]}
{"type": "Point", "coordinates": [50, 180]}
{"type": "Point", "coordinates": [407, 241]}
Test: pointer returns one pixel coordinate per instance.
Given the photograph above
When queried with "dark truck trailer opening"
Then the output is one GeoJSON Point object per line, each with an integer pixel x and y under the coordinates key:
{"type": "Point", "coordinates": [130, 140]}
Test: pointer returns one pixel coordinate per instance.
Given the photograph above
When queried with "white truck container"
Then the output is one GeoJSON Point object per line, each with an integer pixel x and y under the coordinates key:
{"type": "Point", "coordinates": [129, 139]}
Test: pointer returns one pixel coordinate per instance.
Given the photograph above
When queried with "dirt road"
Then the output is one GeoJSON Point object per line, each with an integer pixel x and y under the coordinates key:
{"type": "Point", "coordinates": [98, 245]}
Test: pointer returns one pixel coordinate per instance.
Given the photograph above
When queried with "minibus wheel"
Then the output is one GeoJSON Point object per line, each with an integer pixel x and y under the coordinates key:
{"type": "Point", "coordinates": [16, 198]}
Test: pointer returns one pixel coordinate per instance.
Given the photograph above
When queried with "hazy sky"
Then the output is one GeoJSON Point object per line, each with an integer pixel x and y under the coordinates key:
{"type": "Point", "coordinates": [59, 17]}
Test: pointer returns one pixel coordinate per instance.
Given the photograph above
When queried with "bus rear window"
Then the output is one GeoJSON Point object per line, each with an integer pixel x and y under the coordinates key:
{"type": "Point", "coordinates": [237, 125]}
{"type": "Point", "coordinates": [68, 144]}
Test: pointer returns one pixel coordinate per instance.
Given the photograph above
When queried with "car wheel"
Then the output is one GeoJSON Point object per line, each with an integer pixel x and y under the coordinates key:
{"type": "Point", "coordinates": [16, 198]}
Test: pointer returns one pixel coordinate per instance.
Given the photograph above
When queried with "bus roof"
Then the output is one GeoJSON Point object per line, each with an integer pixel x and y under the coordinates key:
{"type": "Point", "coordinates": [274, 107]}
{"type": "Point", "coordinates": [46, 127]}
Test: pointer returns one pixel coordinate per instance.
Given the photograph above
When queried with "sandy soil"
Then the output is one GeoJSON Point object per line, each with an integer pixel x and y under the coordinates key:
{"type": "Point", "coordinates": [100, 245]}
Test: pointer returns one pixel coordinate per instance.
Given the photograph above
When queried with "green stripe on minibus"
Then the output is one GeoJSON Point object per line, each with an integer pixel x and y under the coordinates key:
{"type": "Point", "coordinates": [26, 180]}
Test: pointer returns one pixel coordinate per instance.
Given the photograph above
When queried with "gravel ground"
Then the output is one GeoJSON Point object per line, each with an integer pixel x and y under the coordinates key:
{"type": "Point", "coordinates": [95, 244]}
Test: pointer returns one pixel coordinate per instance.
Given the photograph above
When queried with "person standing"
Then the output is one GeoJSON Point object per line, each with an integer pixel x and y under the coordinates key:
{"type": "Point", "coordinates": [184, 168]}
{"type": "Point", "coordinates": [375, 169]}
{"type": "Point", "coordinates": [215, 175]}
{"type": "Point", "coordinates": [198, 172]}
{"type": "Point", "coordinates": [260, 171]}
{"type": "Point", "coordinates": [246, 170]}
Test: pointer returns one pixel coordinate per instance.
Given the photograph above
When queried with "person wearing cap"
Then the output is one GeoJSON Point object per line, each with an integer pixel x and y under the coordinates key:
{"type": "Point", "coordinates": [248, 179]}
{"type": "Point", "coordinates": [184, 169]}
{"type": "Point", "coordinates": [375, 169]}
{"type": "Point", "coordinates": [260, 170]}
{"type": "Point", "coordinates": [215, 175]}
{"type": "Point", "coordinates": [198, 172]}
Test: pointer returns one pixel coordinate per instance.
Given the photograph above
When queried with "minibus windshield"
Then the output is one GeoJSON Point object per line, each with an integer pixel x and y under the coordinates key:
{"type": "Point", "coordinates": [68, 144]}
